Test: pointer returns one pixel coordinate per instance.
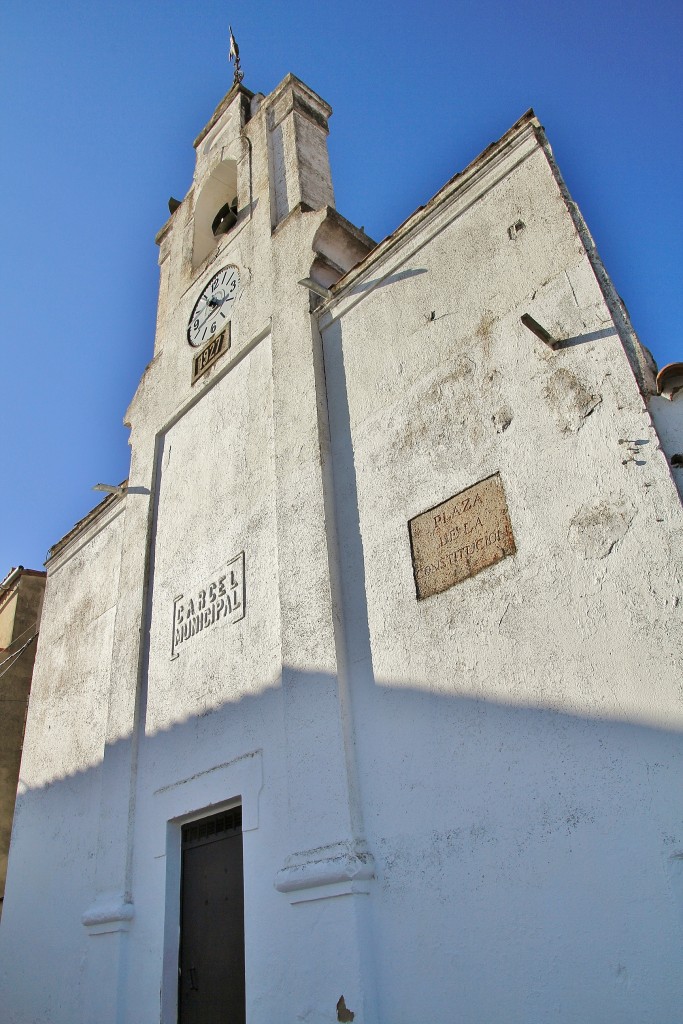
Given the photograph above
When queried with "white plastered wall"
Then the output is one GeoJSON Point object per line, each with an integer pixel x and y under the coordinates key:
{"type": "Point", "coordinates": [51, 867]}
{"type": "Point", "coordinates": [518, 736]}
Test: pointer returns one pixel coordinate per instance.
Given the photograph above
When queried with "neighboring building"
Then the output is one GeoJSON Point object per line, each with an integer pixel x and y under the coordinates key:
{"type": "Point", "coordinates": [361, 700]}
{"type": "Point", "coordinates": [21, 599]}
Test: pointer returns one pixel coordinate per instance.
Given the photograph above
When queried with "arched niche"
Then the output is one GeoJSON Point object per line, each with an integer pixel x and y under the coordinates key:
{"type": "Point", "coordinates": [219, 188]}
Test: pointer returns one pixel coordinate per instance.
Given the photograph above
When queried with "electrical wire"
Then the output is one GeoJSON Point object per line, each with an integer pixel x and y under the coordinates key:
{"type": "Point", "coordinates": [13, 657]}
{"type": "Point", "coordinates": [18, 638]}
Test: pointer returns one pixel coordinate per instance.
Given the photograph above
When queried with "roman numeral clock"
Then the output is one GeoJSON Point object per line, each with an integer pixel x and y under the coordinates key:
{"type": "Point", "coordinates": [209, 323]}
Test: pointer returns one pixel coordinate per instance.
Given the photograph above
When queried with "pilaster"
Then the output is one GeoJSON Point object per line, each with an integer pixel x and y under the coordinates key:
{"type": "Point", "coordinates": [299, 163]}
{"type": "Point", "coordinates": [328, 875]}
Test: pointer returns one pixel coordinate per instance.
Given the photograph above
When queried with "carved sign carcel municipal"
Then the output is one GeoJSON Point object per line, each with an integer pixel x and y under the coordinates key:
{"type": "Point", "coordinates": [219, 600]}
{"type": "Point", "coordinates": [460, 537]}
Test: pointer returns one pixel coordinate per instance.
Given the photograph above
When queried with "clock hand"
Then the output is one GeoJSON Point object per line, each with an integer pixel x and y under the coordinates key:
{"type": "Point", "coordinates": [199, 326]}
{"type": "Point", "coordinates": [212, 305]}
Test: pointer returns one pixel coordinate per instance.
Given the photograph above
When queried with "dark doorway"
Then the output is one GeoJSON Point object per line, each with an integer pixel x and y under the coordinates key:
{"type": "Point", "coordinates": [211, 976]}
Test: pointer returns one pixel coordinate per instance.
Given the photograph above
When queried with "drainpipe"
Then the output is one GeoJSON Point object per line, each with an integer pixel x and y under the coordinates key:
{"type": "Point", "coordinates": [9, 580]}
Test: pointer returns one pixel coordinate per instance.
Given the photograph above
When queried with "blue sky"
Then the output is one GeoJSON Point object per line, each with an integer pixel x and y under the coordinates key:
{"type": "Point", "coordinates": [100, 103]}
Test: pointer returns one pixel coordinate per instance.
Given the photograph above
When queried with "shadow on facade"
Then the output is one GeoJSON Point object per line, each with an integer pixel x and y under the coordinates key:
{"type": "Point", "coordinates": [457, 772]}
{"type": "Point", "coordinates": [533, 835]}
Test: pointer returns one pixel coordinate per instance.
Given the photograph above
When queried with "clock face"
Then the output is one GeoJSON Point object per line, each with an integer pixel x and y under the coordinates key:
{"type": "Point", "coordinates": [213, 308]}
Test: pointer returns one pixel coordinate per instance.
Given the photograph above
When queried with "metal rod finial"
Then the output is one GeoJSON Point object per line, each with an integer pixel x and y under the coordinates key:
{"type": "Point", "coordinates": [234, 55]}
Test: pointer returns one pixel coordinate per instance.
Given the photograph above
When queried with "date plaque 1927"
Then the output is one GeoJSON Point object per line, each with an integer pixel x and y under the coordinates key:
{"type": "Point", "coordinates": [207, 356]}
{"type": "Point", "coordinates": [460, 537]}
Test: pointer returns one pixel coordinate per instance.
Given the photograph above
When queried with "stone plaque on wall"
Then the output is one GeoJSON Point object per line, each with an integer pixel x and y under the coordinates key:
{"type": "Point", "coordinates": [207, 356]}
{"type": "Point", "coordinates": [460, 537]}
{"type": "Point", "coordinates": [219, 600]}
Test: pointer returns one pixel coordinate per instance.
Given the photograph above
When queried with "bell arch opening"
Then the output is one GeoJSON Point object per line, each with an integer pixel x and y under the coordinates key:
{"type": "Point", "coordinates": [215, 210]}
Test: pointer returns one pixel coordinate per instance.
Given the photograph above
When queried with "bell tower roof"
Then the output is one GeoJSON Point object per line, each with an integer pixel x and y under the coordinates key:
{"type": "Point", "coordinates": [236, 90]}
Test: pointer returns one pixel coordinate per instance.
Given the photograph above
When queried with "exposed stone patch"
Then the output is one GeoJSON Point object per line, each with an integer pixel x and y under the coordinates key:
{"type": "Point", "coordinates": [502, 419]}
{"type": "Point", "coordinates": [596, 530]}
{"type": "Point", "coordinates": [485, 326]}
{"type": "Point", "coordinates": [343, 1014]}
{"type": "Point", "coordinates": [570, 400]}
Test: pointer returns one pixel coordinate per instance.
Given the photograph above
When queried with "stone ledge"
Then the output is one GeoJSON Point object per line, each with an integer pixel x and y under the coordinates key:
{"type": "Point", "coordinates": [110, 912]}
{"type": "Point", "coordinates": [327, 865]}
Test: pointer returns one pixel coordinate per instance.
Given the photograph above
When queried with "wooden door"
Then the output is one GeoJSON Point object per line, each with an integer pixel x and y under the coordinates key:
{"type": "Point", "coordinates": [211, 982]}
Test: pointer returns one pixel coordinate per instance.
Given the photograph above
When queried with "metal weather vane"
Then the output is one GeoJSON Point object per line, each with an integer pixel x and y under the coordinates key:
{"type": "Point", "coordinates": [235, 55]}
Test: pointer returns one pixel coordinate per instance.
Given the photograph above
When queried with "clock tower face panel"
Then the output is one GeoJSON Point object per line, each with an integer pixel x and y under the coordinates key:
{"type": "Point", "coordinates": [213, 308]}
